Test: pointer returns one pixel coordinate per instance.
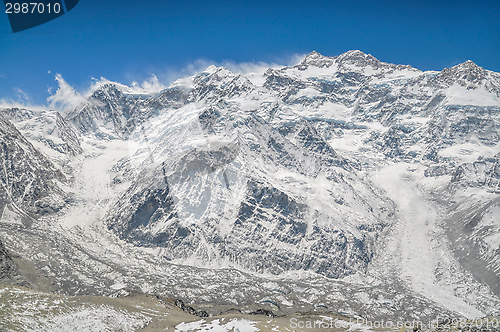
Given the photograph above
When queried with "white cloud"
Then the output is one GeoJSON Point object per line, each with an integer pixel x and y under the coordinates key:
{"type": "Point", "coordinates": [260, 67]}
{"type": "Point", "coordinates": [245, 68]}
{"type": "Point", "coordinates": [66, 97]}
{"type": "Point", "coordinates": [21, 95]}
{"type": "Point", "coordinates": [164, 78]}
{"type": "Point", "coordinates": [26, 104]}
{"type": "Point", "coordinates": [23, 101]}
{"type": "Point", "coordinates": [151, 85]}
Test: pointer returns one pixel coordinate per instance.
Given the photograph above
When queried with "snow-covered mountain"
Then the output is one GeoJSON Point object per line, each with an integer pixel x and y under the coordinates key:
{"type": "Point", "coordinates": [363, 172]}
{"type": "Point", "coordinates": [220, 183]}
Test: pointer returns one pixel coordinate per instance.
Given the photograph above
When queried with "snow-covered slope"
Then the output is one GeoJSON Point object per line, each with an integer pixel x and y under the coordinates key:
{"type": "Point", "coordinates": [112, 111]}
{"type": "Point", "coordinates": [473, 223]}
{"type": "Point", "coordinates": [48, 131]}
{"type": "Point", "coordinates": [29, 180]}
{"type": "Point", "coordinates": [380, 177]}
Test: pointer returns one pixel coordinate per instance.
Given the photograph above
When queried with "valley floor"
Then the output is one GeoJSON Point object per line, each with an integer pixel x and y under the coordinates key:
{"type": "Point", "coordinates": [23, 309]}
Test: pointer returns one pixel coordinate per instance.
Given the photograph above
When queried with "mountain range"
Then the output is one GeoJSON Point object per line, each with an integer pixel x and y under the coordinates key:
{"type": "Point", "coordinates": [342, 184]}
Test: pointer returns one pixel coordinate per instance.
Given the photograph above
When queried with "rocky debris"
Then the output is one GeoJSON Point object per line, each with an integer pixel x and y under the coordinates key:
{"type": "Point", "coordinates": [439, 170]}
{"type": "Point", "coordinates": [9, 273]}
{"type": "Point", "coordinates": [263, 312]}
{"type": "Point", "coordinates": [179, 303]}
{"type": "Point", "coordinates": [484, 172]}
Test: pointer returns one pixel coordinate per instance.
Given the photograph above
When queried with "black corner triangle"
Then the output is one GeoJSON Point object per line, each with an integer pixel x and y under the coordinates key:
{"type": "Point", "coordinates": [70, 4]}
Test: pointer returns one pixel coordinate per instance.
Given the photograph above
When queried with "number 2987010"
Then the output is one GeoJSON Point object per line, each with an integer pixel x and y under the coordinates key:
{"type": "Point", "coordinates": [32, 8]}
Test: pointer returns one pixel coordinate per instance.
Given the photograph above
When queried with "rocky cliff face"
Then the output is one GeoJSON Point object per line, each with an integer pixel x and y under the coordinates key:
{"type": "Point", "coordinates": [28, 180]}
{"type": "Point", "coordinates": [8, 269]}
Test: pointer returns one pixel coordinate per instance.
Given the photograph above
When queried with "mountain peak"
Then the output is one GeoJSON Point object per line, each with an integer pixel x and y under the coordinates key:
{"type": "Point", "coordinates": [317, 60]}
{"type": "Point", "coordinates": [465, 73]}
{"type": "Point", "coordinates": [354, 53]}
{"type": "Point", "coordinates": [314, 55]}
{"type": "Point", "coordinates": [211, 69]}
{"type": "Point", "coordinates": [107, 86]}
{"type": "Point", "coordinates": [108, 90]}
{"type": "Point", "coordinates": [357, 56]}
{"type": "Point", "coordinates": [467, 65]}
{"type": "Point", "coordinates": [218, 71]}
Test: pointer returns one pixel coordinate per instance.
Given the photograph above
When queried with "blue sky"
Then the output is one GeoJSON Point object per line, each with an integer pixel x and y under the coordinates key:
{"type": "Point", "coordinates": [129, 41]}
